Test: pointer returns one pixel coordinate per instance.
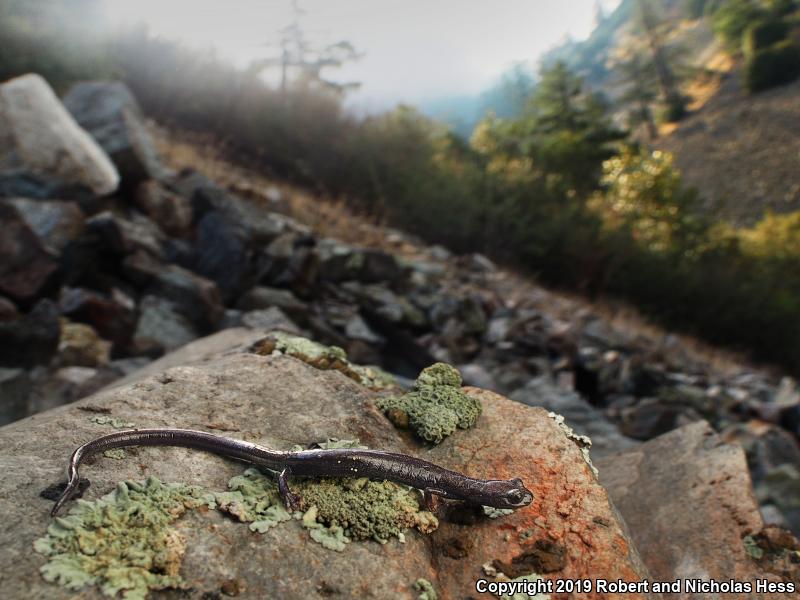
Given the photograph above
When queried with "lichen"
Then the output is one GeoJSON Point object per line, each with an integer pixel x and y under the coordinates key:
{"type": "Point", "coordinates": [752, 548]}
{"type": "Point", "coordinates": [435, 406]}
{"type": "Point", "coordinates": [496, 513]}
{"type": "Point", "coordinates": [353, 509]}
{"type": "Point", "coordinates": [532, 577]}
{"type": "Point", "coordinates": [323, 357]}
{"type": "Point", "coordinates": [582, 441]}
{"type": "Point", "coordinates": [122, 542]}
{"type": "Point", "coordinates": [425, 588]}
{"type": "Point", "coordinates": [115, 422]}
{"type": "Point", "coordinates": [365, 509]}
{"type": "Point", "coordinates": [115, 453]}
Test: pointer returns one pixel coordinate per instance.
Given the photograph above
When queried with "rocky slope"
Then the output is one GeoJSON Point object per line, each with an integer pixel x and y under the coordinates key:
{"type": "Point", "coordinates": [94, 288]}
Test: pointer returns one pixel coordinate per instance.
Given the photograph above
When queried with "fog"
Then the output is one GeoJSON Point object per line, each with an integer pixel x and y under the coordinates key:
{"type": "Point", "coordinates": [412, 50]}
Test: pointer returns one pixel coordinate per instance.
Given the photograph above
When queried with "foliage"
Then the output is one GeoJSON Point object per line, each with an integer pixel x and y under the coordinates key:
{"type": "Point", "coordinates": [731, 19]}
{"type": "Point", "coordinates": [763, 34]}
{"type": "Point", "coordinates": [776, 65]}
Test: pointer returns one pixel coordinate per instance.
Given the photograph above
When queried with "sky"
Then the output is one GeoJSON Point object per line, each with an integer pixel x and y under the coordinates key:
{"type": "Point", "coordinates": [413, 50]}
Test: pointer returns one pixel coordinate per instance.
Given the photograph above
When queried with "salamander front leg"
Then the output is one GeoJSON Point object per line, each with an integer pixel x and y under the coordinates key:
{"type": "Point", "coordinates": [290, 500]}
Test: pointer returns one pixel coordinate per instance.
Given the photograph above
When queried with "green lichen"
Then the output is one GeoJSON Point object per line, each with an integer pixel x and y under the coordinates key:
{"type": "Point", "coordinates": [115, 453]}
{"type": "Point", "coordinates": [522, 595]}
{"type": "Point", "coordinates": [253, 498]}
{"type": "Point", "coordinates": [435, 406]}
{"type": "Point", "coordinates": [582, 441]}
{"type": "Point", "coordinates": [365, 509]}
{"type": "Point", "coordinates": [496, 513]}
{"type": "Point", "coordinates": [425, 588]}
{"type": "Point", "coordinates": [752, 548]}
{"type": "Point", "coordinates": [323, 357]}
{"type": "Point", "coordinates": [113, 421]}
{"type": "Point", "coordinates": [122, 542]}
{"type": "Point", "coordinates": [335, 510]}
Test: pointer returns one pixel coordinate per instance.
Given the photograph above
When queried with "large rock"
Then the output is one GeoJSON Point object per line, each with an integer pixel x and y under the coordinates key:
{"type": "Point", "coordinates": [195, 297]}
{"type": "Point", "coordinates": [31, 339]}
{"type": "Point", "coordinates": [687, 499]}
{"type": "Point", "coordinates": [26, 266]}
{"type": "Point", "coordinates": [39, 135]}
{"type": "Point", "coordinates": [570, 530]}
{"type": "Point", "coordinates": [56, 223]}
{"type": "Point", "coordinates": [108, 111]}
{"type": "Point", "coordinates": [222, 254]}
{"type": "Point", "coordinates": [113, 316]}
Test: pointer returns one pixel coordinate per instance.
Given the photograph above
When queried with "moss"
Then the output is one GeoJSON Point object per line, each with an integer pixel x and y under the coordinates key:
{"type": "Point", "coordinates": [323, 357]}
{"type": "Point", "coordinates": [425, 588]}
{"type": "Point", "coordinates": [435, 406]}
{"type": "Point", "coordinates": [583, 442]}
{"type": "Point", "coordinates": [122, 542]}
{"type": "Point", "coordinates": [113, 421]}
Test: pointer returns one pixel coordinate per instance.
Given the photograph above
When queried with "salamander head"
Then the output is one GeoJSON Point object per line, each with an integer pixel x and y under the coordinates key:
{"type": "Point", "coordinates": [507, 494]}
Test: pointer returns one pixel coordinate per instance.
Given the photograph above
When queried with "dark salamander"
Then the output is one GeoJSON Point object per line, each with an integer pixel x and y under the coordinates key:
{"type": "Point", "coordinates": [375, 464]}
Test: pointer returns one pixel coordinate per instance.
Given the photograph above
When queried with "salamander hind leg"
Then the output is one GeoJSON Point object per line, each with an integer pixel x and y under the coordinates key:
{"type": "Point", "coordinates": [290, 500]}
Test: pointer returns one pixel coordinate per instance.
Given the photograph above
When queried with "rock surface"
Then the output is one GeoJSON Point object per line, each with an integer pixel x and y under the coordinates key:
{"type": "Point", "coordinates": [110, 113]}
{"type": "Point", "coordinates": [39, 135]}
{"type": "Point", "coordinates": [280, 401]}
{"type": "Point", "coordinates": [686, 498]}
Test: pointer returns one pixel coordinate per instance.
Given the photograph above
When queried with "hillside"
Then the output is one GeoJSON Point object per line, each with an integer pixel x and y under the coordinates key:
{"type": "Point", "coordinates": [740, 150]}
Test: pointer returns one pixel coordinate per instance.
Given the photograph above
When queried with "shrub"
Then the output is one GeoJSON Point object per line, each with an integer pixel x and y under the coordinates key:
{"type": "Point", "coordinates": [732, 18]}
{"type": "Point", "coordinates": [763, 34]}
{"type": "Point", "coordinates": [776, 65]}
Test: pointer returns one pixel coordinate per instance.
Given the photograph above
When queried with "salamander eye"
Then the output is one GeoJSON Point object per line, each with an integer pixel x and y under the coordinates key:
{"type": "Point", "coordinates": [514, 496]}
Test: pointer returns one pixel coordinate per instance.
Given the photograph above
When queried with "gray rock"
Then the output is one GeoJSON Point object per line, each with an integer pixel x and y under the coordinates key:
{"type": "Point", "coordinates": [121, 236]}
{"type": "Point", "coordinates": [110, 113]}
{"type": "Point", "coordinates": [172, 212]}
{"type": "Point", "coordinates": [222, 254]}
{"type": "Point", "coordinates": [477, 375]}
{"type": "Point", "coordinates": [264, 297]}
{"type": "Point", "coordinates": [31, 339]}
{"type": "Point", "coordinates": [39, 135]}
{"type": "Point", "coordinates": [687, 499]}
{"type": "Point", "coordinates": [162, 326]}
{"type": "Point", "coordinates": [56, 223]}
{"type": "Point", "coordinates": [112, 316]}
{"type": "Point", "coordinates": [268, 319]}
{"type": "Point", "coordinates": [15, 387]}
{"type": "Point", "coordinates": [196, 298]}
{"type": "Point", "coordinates": [579, 414]}
{"type": "Point", "coordinates": [81, 346]}
{"type": "Point", "coordinates": [26, 266]}
{"type": "Point", "coordinates": [280, 401]}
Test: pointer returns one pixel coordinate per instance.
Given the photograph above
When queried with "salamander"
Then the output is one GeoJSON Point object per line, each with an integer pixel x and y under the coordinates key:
{"type": "Point", "coordinates": [432, 479]}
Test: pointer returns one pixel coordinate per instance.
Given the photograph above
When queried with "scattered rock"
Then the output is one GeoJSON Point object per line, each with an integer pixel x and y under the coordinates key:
{"type": "Point", "coordinates": [124, 236]}
{"type": "Point", "coordinates": [81, 346]}
{"type": "Point", "coordinates": [196, 297]}
{"type": "Point", "coordinates": [39, 135]}
{"type": "Point", "coordinates": [161, 328]}
{"type": "Point", "coordinates": [26, 266]}
{"type": "Point", "coordinates": [172, 212]}
{"type": "Point", "coordinates": [268, 319]}
{"type": "Point", "coordinates": [15, 388]}
{"type": "Point", "coordinates": [222, 254]}
{"type": "Point", "coordinates": [56, 223]}
{"type": "Point", "coordinates": [31, 339]}
{"type": "Point", "coordinates": [110, 113]}
{"type": "Point", "coordinates": [265, 297]}
{"type": "Point", "coordinates": [113, 316]}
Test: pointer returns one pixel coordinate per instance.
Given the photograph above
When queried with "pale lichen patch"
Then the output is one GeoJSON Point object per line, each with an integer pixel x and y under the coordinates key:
{"type": "Point", "coordinates": [582, 441]}
{"type": "Point", "coordinates": [435, 407]}
{"type": "Point", "coordinates": [122, 542]}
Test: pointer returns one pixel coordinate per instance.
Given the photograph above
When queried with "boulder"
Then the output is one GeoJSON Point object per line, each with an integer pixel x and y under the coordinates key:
{"type": "Point", "coordinates": [81, 346]}
{"type": "Point", "coordinates": [39, 135]}
{"type": "Point", "coordinates": [570, 530]}
{"type": "Point", "coordinates": [264, 297]}
{"type": "Point", "coordinates": [172, 212]}
{"type": "Point", "coordinates": [222, 254]}
{"type": "Point", "coordinates": [161, 328]}
{"type": "Point", "coordinates": [195, 297]}
{"type": "Point", "coordinates": [688, 502]}
{"type": "Point", "coordinates": [120, 237]}
{"type": "Point", "coordinates": [112, 316]}
{"type": "Point", "coordinates": [110, 113]}
{"type": "Point", "coordinates": [26, 266]}
{"type": "Point", "coordinates": [31, 339]}
{"type": "Point", "coordinates": [57, 223]}
{"type": "Point", "coordinates": [15, 387]}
